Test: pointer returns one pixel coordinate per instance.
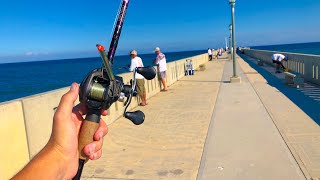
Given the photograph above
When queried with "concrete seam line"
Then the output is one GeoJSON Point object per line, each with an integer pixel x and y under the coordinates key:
{"type": "Point", "coordinates": [204, 152]}
{"type": "Point", "coordinates": [291, 149]}
{"type": "Point", "coordinates": [305, 172]}
{"type": "Point", "coordinates": [26, 129]}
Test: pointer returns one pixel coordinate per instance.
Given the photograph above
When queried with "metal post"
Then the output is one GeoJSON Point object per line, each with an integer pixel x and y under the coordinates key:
{"type": "Point", "coordinates": [231, 52]}
{"type": "Point", "coordinates": [232, 3]}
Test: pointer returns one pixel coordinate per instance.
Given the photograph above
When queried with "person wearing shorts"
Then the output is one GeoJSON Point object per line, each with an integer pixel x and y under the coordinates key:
{"type": "Point", "coordinates": [278, 58]}
{"type": "Point", "coordinates": [210, 54]}
{"type": "Point", "coordinates": [163, 75]}
{"type": "Point", "coordinates": [162, 67]}
{"type": "Point", "coordinates": [137, 62]}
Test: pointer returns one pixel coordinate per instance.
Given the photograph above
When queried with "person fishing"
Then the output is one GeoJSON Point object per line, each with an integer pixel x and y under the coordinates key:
{"type": "Point", "coordinates": [278, 58]}
{"type": "Point", "coordinates": [210, 54]}
{"type": "Point", "coordinates": [162, 67]}
{"type": "Point", "coordinates": [220, 51]}
{"type": "Point", "coordinates": [137, 62]}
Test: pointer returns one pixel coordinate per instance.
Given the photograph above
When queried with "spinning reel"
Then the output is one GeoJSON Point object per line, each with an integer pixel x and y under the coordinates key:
{"type": "Point", "coordinates": [99, 91]}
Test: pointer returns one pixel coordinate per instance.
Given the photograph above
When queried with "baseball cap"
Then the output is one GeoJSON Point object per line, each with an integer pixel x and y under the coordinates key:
{"type": "Point", "coordinates": [134, 52]}
{"type": "Point", "coordinates": [157, 49]}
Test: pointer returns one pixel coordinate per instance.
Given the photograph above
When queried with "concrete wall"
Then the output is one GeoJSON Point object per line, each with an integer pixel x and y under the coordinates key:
{"type": "Point", "coordinates": [14, 149]}
{"type": "Point", "coordinates": [25, 124]}
{"type": "Point", "coordinates": [305, 64]}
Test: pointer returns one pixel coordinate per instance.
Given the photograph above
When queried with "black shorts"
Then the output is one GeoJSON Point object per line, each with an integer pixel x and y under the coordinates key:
{"type": "Point", "coordinates": [277, 62]}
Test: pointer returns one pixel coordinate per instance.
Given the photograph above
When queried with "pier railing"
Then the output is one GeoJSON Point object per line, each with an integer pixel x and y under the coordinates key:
{"type": "Point", "coordinates": [25, 124]}
{"type": "Point", "coordinates": [305, 64]}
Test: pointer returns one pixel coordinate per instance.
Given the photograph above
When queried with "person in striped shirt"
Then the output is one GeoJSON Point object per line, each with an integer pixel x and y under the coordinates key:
{"type": "Point", "coordinates": [162, 67]}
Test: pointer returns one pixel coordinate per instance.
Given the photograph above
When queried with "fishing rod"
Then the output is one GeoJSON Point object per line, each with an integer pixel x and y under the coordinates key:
{"type": "Point", "coordinates": [100, 89]}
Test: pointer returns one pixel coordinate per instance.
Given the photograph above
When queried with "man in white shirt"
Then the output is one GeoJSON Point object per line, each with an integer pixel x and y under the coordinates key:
{"type": "Point", "coordinates": [210, 54]}
{"type": "Point", "coordinates": [137, 62]}
{"type": "Point", "coordinates": [162, 67]}
{"type": "Point", "coordinates": [278, 58]}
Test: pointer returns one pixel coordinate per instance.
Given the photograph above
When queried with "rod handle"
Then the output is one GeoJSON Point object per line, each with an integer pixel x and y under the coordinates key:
{"type": "Point", "coordinates": [89, 126]}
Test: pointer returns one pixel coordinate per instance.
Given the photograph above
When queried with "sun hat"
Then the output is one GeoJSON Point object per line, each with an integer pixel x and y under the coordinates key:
{"type": "Point", "coordinates": [133, 52]}
{"type": "Point", "coordinates": [157, 49]}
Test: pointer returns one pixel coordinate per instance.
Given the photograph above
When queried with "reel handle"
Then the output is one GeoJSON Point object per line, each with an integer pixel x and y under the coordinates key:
{"type": "Point", "coordinates": [89, 126]}
{"type": "Point", "coordinates": [148, 72]}
{"type": "Point", "coordinates": [137, 117]}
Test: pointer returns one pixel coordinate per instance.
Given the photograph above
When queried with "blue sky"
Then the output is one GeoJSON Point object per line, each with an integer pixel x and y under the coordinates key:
{"type": "Point", "coordinates": [39, 30]}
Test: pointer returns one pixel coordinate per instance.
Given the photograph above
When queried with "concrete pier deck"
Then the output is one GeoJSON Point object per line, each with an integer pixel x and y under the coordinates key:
{"type": "Point", "coordinates": [207, 128]}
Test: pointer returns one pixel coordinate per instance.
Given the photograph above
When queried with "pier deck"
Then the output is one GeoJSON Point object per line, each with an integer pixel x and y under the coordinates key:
{"type": "Point", "coordinates": [207, 128]}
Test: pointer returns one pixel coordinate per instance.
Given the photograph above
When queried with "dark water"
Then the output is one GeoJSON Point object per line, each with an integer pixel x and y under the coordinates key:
{"type": "Point", "coordinates": [24, 79]}
{"type": "Point", "coordinates": [304, 48]}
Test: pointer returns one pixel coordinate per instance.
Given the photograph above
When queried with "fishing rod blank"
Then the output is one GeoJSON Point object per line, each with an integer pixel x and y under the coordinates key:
{"type": "Point", "coordinates": [117, 30]}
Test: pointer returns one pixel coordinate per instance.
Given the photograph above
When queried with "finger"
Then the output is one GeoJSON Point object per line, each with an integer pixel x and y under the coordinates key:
{"type": "Point", "coordinates": [104, 112]}
{"type": "Point", "coordinates": [68, 99]}
{"type": "Point", "coordinates": [93, 147]}
{"type": "Point", "coordinates": [81, 108]}
{"type": "Point", "coordinates": [96, 155]}
{"type": "Point", "coordinates": [101, 132]}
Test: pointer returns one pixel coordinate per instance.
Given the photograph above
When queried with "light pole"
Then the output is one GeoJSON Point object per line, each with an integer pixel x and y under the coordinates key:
{"type": "Point", "coordinates": [230, 41]}
{"type": "Point", "coordinates": [234, 78]}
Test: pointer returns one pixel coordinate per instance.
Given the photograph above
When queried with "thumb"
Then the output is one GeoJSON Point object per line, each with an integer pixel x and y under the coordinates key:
{"type": "Point", "coordinates": [67, 101]}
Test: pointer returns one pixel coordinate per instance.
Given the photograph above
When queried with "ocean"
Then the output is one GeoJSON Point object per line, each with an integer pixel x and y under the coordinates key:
{"type": "Point", "coordinates": [28, 78]}
{"type": "Point", "coordinates": [303, 48]}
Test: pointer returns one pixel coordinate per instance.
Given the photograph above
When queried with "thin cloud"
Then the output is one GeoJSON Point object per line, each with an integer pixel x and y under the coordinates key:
{"type": "Point", "coordinates": [35, 53]}
{"type": "Point", "coordinates": [30, 54]}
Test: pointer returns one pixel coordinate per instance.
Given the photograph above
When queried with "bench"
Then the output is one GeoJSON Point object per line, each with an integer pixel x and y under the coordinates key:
{"type": "Point", "coordinates": [295, 79]}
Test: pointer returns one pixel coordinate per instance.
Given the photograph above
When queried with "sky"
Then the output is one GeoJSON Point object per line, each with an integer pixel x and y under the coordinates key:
{"type": "Point", "coordinates": [58, 29]}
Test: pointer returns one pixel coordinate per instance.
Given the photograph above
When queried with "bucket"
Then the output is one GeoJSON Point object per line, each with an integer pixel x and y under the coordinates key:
{"type": "Point", "coordinates": [191, 72]}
